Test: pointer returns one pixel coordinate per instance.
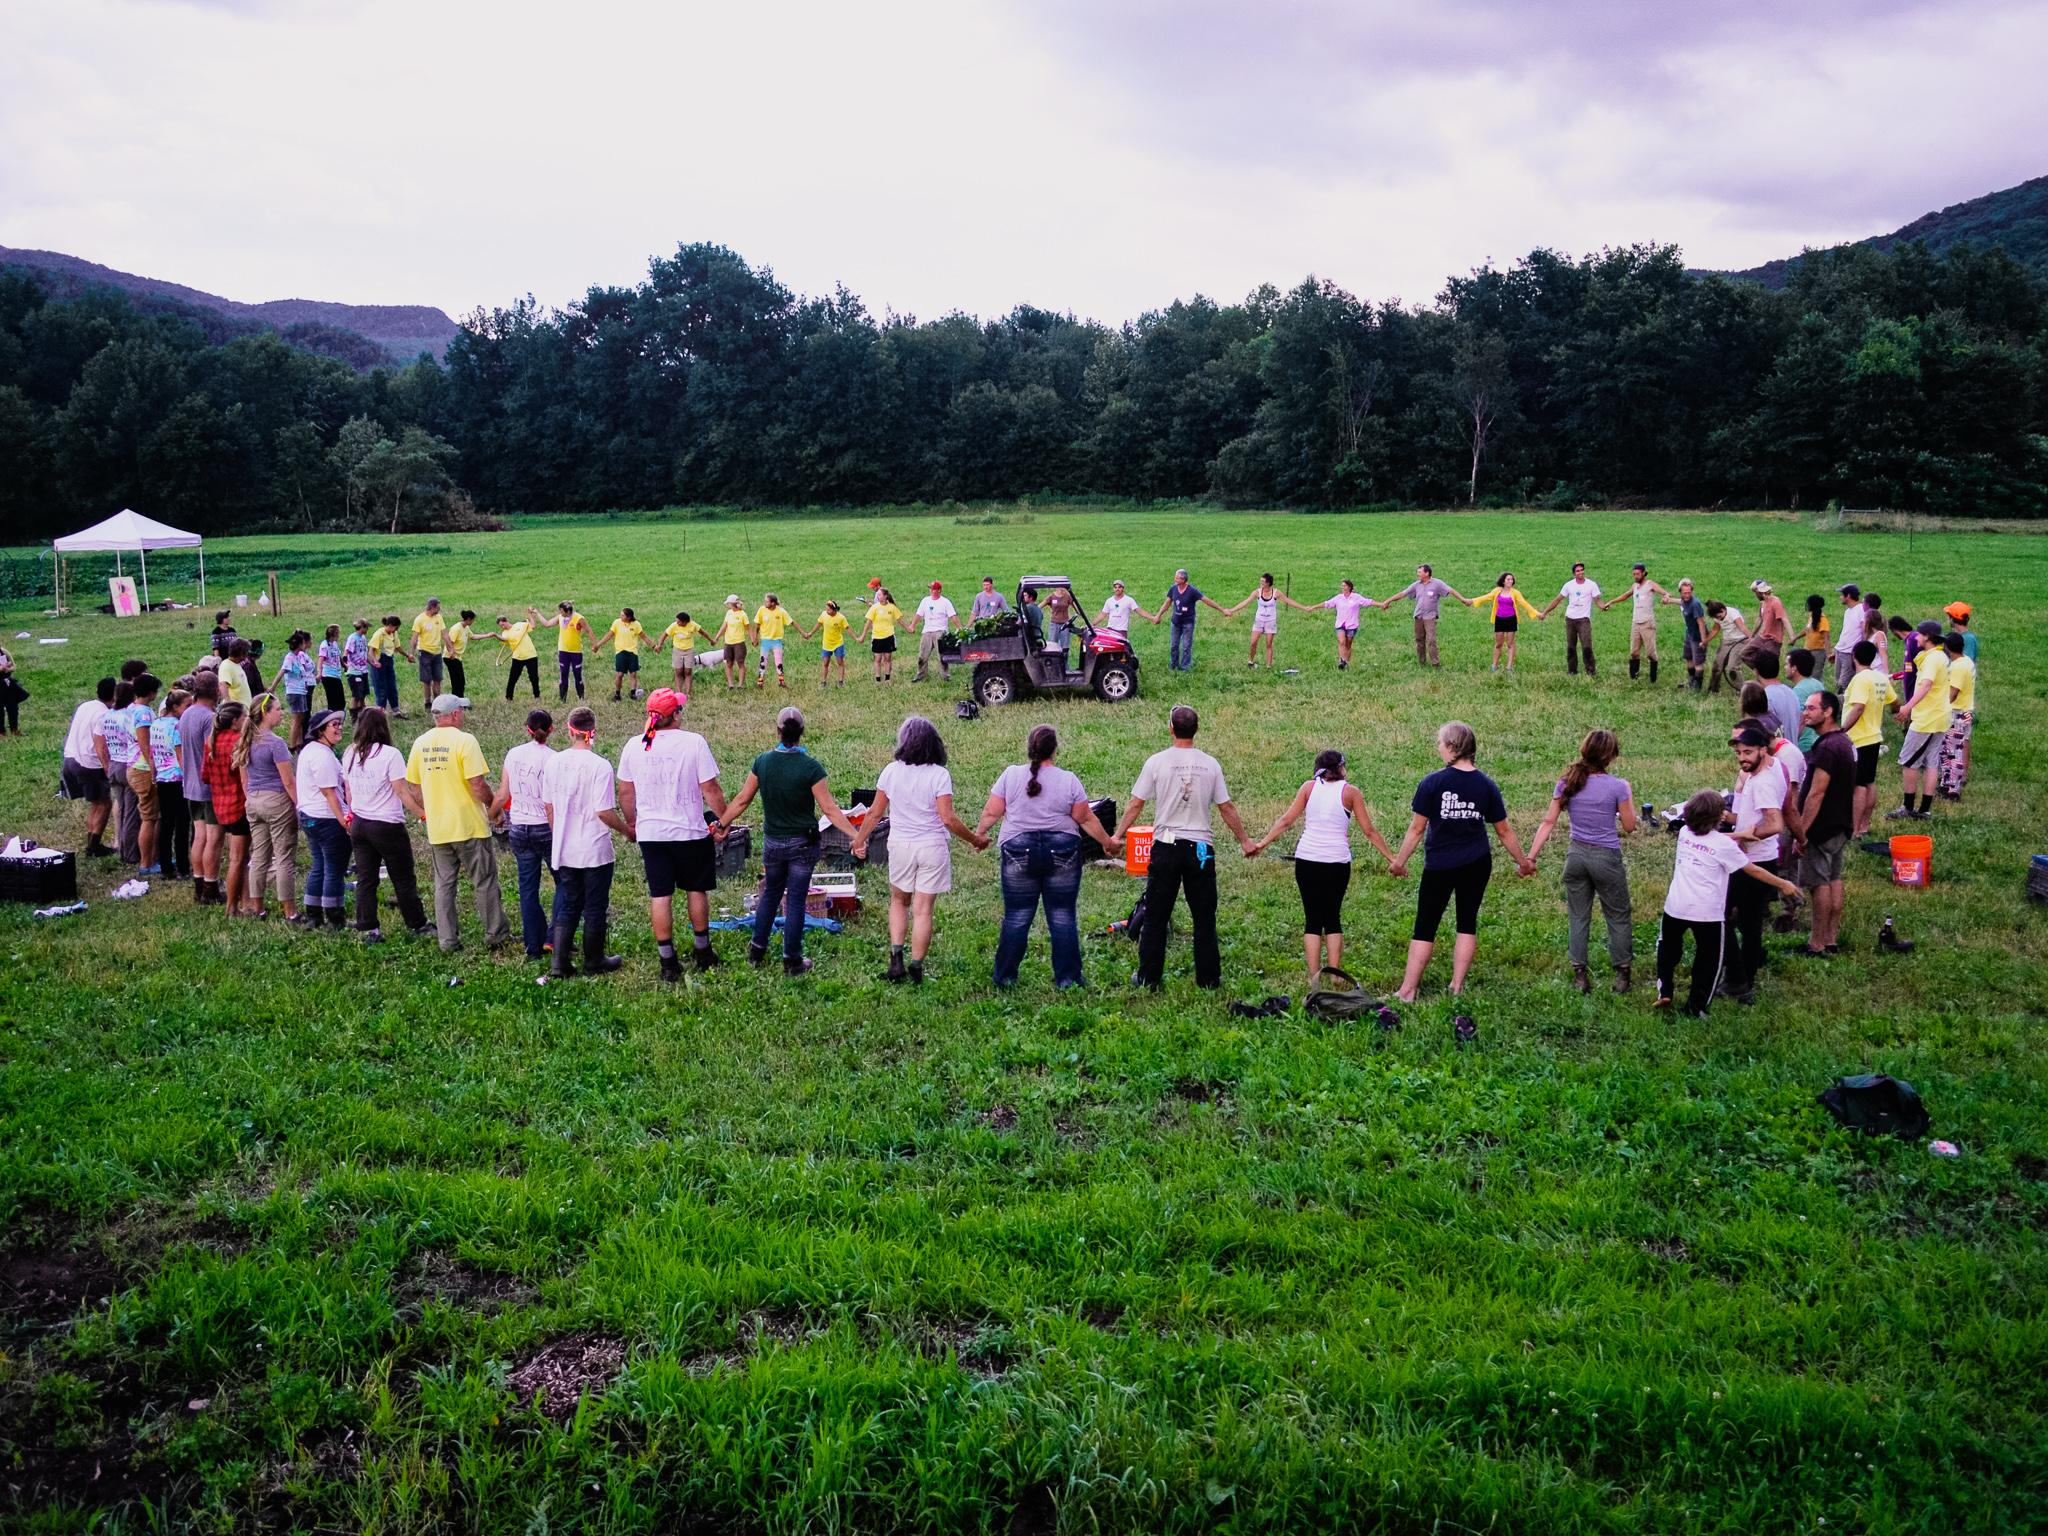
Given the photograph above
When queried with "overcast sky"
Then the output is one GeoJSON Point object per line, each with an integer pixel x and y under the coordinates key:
{"type": "Point", "coordinates": [1089, 155]}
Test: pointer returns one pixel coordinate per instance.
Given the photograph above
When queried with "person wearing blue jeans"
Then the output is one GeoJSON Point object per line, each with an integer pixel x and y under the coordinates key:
{"type": "Point", "coordinates": [791, 784]}
{"type": "Point", "coordinates": [317, 785]}
{"type": "Point", "coordinates": [519, 802]}
{"type": "Point", "coordinates": [1044, 810]}
{"type": "Point", "coordinates": [530, 847]}
{"type": "Point", "coordinates": [1182, 598]}
{"type": "Point", "coordinates": [581, 795]}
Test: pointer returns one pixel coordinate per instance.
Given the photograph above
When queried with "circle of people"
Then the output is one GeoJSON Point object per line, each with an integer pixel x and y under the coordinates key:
{"type": "Point", "coordinates": [201, 782]}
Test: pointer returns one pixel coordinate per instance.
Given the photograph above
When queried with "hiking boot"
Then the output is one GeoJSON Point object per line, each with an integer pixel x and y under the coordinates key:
{"type": "Point", "coordinates": [705, 958]}
{"type": "Point", "coordinates": [1624, 978]}
{"type": "Point", "coordinates": [595, 961]}
{"type": "Point", "coordinates": [672, 970]}
{"type": "Point", "coordinates": [896, 970]}
{"type": "Point", "coordinates": [757, 956]}
{"type": "Point", "coordinates": [1581, 982]}
{"type": "Point", "coordinates": [916, 974]}
{"type": "Point", "coordinates": [801, 966]}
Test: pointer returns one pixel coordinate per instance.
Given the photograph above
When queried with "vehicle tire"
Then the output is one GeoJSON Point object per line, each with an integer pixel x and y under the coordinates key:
{"type": "Point", "coordinates": [994, 686]}
{"type": "Point", "coordinates": [1116, 682]}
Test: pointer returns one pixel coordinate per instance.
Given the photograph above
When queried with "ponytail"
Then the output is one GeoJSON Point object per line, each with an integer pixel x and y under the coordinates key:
{"type": "Point", "coordinates": [1599, 749]}
{"type": "Point", "coordinates": [1040, 745]}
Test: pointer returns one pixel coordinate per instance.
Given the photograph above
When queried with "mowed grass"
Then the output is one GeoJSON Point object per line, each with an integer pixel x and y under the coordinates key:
{"type": "Point", "coordinates": [833, 1256]}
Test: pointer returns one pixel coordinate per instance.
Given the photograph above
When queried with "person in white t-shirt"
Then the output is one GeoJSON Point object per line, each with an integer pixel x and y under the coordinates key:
{"type": "Point", "coordinates": [1578, 596]}
{"type": "Point", "coordinates": [581, 797]}
{"type": "Point", "coordinates": [916, 793]}
{"type": "Point", "coordinates": [1854, 621]}
{"type": "Point", "coordinates": [85, 767]}
{"type": "Point", "coordinates": [519, 806]}
{"type": "Point", "coordinates": [378, 795]}
{"type": "Point", "coordinates": [323, 818]}
{"type": "Point", "coordinates": [1117, 611]}
{"type": "Point", "coordinates": [1762, 788]}
{"type": "Point", "coordinates": [936, 617]}
{"type": "Point", "coordinates": [667, 780]}
{"type": "Point", "coordinates": [1697, 901]}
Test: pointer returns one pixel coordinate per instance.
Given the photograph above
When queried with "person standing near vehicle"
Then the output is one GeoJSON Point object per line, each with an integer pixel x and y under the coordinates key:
{"type": "Point", "coordinates": [517, 637]}
{"type": "Point", "coordinates": [1853, 620]}
{"type": "Point", "coordinates": [582, 804]}
{"type": "Point", "coordinates": [87, 769]}
{"type": "Point", "coordinates": [791, 784]}
{"type": "Point", "coordinates": [1059, 619]}
{"type": "Point", "coordinates": [915, 784]}
{"type": "Point", "coordinates": [448, 768]}
{"type": "Point", "coordinates": [1428, 594]}
{"type": "Point", "coordinates": [429, 640]}
{"type": "Point", "coordinates": [988, 602]}
{"type": "Point", "coordinates": [1578, 596]}
{"type": "Point", "coordinates": [1822, 819]}
{"type": "Point", "coordinates": [733, 634]}
{"type": "Point", "coordinates": [1182, 599]}
{"type": "Point", "coordinates": [1643, 596]}
{"type": "Point", "coordinates": [1117, 611]}
{"type": "Point", "coordinates": [1183, 784]}
{"type": "Point", "coordinates": [1602, 808]}
{"type": "Point", "coordinates": [667, 778]}
{"type": "Point", "coordinates": [520, 806]}
{"type": "Point", "coordinates": [1954, 772]}
{"type": "Point", "coordinates": [1043, 809]}
{"type": "Point", "coordinates": [937, 617]}
{"type": "Point", "coordinates": [1455, 806]}
{"type": "Point", "coordinates": [1322, 856]}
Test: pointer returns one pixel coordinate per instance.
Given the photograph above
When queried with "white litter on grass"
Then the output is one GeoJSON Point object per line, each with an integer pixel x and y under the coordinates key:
{"type": "Point", "coordinates": [1944, 1149]}
{"type": "Point", "coordinates": [22, 634]}
{"type": "Point", "coordinates": [58, 640]}
{"type": "Point", "coordinates": [67, 910]}
{"type": "Point", "coordinates": [130, 890]}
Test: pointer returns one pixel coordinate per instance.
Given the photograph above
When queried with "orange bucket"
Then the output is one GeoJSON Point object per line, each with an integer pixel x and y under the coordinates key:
{"type": "Point", "coordinates": [1137, 850]}
{"type": "Point", "coordinates": [1912, 860]}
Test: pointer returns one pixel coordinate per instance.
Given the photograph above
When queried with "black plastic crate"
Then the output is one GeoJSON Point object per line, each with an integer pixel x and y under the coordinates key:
{"type": "Point", "coordinates": [41, 881]}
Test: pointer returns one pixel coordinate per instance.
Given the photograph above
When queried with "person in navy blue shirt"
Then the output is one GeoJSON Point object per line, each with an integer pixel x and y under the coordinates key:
{"type": "Point", "coordinates": [1181, 600]}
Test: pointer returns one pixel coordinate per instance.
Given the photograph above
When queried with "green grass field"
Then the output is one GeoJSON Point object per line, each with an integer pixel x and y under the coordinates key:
{"type": "Point", "coordinates": [835, 1256]}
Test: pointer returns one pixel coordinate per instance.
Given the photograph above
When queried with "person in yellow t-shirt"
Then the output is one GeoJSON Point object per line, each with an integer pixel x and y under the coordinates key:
{"type": "Point", "coordinates": [1962, 699]}
{"type": "Point", "coordinates": [832, 625]}
{"type": "Point", "coordinates": [452, 775]}
{"type": "Point", "coordinates": [429, 632]}
{"type": "Point", "coordinates": [1863, 705]}
{"type": "Point", "coordinates": [879, 624]}
{"type": "Point", "coordinates": [574, 632]}
{"type": "Point", "coordinates": [682, 637]}
{"type": "Point", "coordinates": [386, 646]}
{"type": "Point", "coordinates": [456, 647]}
{"type": "Point", "coordinates": [732, 634]}
{"type": "Point", "coordinates": [1816, 637]}
{"type": "Point", "coordinates": [625, 635]}
{"type": "Point", "coordinates": [771, 621]}
{"type": "Point", "coordinates": [517, 637]}
{"type": "Point", "coordinates": [1927, 717]}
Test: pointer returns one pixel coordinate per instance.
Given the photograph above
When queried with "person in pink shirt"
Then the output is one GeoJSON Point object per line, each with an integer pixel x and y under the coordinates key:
{"type": "Point", "coordinates": [1349, 604]}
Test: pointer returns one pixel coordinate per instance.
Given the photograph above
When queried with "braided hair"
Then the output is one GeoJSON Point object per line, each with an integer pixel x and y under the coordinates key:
{"type": "Point", "coordinates": [1040, 746]}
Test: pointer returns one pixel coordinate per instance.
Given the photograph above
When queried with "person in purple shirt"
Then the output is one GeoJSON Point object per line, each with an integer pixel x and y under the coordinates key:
{"type": "Point", "coordinates": [1349, 604]}
{"type": "Point", "coordinates": [1428, 594]}
{"type": "Point", "coordinates": [1182, 598]}
{"type": "Point", "coordinates": [1601, 807]}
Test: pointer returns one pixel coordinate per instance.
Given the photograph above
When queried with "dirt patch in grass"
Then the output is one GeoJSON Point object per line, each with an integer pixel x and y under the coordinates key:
{"type": "Point", "coordinates": [1669, 1249]}
{"type": "Point", "coordinates": [966, 1339]}
{"type": "Point", "coordinates": [2029, 1165]}
{"type": "Point", "coordinates": [432, 1275]}
{"type": "Point", "coordinates": [785, 1327]}
{"type": "Point", "coordinates": [1198, 1090]}
{"type": "Point", "coordinates": [1001, 1118]}
{"type": "Point", "coordinates": [82, 1458]}
{"type": "Point", "coordinates": [44, 1287]}
{"type": "Point", "coordinates": [556, 1376]}
{"type": "Point", "coordinates": [1102, 1315]}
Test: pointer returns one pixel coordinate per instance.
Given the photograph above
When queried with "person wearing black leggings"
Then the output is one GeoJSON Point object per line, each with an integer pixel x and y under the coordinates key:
{"type": "Point", "coordinates": [1454, 806]}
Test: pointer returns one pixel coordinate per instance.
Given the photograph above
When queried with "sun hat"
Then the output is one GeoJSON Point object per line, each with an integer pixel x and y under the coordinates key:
{"type": "Point", "coordinates": [322, 718]}
{"type": "Point", "coordinates": [1957, 611]}
{"type": "Point", "coordinates": [1760, 587]}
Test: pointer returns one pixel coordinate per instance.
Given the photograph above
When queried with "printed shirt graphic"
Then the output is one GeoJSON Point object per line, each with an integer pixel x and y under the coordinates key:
{"type": "Point", "coordinates": [1460, 804]}
{"type": "Point", "coordinates": [442, 763]}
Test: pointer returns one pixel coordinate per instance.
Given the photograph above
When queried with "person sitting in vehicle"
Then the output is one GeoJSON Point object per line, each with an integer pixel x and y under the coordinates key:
{"type": "Point", "coordinates": [1033, 616]}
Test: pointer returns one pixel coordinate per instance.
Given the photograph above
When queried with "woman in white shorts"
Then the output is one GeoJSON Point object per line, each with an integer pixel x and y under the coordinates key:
{"type": "Point", "coordinates": [1267, 599]}
{"type": "Point", "coordinates": [918, 790]}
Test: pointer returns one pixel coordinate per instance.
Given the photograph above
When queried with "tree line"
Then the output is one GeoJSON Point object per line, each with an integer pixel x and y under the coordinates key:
{"type": "Point", "coordinates": [1875, 379]}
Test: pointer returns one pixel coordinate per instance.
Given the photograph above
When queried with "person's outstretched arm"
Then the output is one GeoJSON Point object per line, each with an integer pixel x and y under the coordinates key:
{"type": "Point", "coordinates": [1232, 820]}
{"type": "Point", "coordinates": [1286, 818]}
{"type": "Point", "coordinates": [1304, 607]}
{"type": "Point", "coordinates": [1545, 827]}
{"type": "Point", "coordinates": [1524, 865]}
{"type": "Point", "coordinates": [1417, 825]}
{"type": "Point", "coordinates": [1355, 798]}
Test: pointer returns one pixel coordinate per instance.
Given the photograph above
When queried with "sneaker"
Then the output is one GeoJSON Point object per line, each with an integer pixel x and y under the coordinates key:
{"type": "Point", "coordinates": [756, 956]}
{"type": "Point", "coordinates": [300, 920]}
{"type": "Point", "coordinates": [424, 931]}
{"type": "Point", "coordinates": [1660, 1002]}
{"type": "Point", "coordinates": [1927, 815]}
{"type": "Point", "coordinates": [798, 967]}
{"type": "Point", "coordinates": [373, 936]}
{"type": "Point", "coordinates": [1902, 813]}
{"type": "Point", "coordinates": [151, 869]}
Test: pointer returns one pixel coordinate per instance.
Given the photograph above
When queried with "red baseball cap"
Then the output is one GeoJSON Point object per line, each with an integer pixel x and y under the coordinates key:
{"type": "Point", "coordinates": [935, 586]}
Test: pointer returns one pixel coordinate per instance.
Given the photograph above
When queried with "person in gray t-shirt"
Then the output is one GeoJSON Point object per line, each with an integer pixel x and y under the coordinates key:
{"type": "Point", "coordinates": [1185, 785]}
{"type": "Point", "coordinates": [1428, 594]}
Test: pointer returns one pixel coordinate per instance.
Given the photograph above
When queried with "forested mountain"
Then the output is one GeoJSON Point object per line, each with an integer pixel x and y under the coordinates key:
{"type": "Point", "coordinates": [362, 335]}
{"type": "Point", "coordinates": [2015, 220]}
{"type": "Point", "coordinates": [1896, 378]}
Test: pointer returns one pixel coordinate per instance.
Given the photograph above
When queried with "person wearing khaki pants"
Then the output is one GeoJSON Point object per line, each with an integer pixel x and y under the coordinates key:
{"type": "Point", "coordinates": [266, 768]}
{"type": "Point", "coordinates": [1428, 594]}
{"type": "Point", "coordinates": [448, 768]}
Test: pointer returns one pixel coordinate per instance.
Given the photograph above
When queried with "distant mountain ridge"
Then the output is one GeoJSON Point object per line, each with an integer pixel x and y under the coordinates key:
{"type": "Point", "coordinates": [2016, 220]}
{"type": "Point", "coordinates": [395, 333]}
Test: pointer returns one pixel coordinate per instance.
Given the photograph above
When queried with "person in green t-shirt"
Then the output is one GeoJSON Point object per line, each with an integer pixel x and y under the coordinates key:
{"type": "Point", "coordinates": [791, 784]}
{"type": "Point", "coordinates": [1803, 664]}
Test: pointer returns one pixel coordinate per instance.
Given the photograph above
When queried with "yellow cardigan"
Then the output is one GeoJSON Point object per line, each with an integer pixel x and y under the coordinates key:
{"type": "Point", "coordinates": [1522, 604]}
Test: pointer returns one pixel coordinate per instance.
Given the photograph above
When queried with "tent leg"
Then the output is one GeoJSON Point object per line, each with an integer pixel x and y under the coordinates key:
{"type": "Point", "coordinates": [143, 556]}
{"type": "Point", "coordinates": [202, 577]}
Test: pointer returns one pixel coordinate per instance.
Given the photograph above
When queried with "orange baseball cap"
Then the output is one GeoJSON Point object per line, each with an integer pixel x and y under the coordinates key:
{"type": "Point", "coordinates": [1957, 610]}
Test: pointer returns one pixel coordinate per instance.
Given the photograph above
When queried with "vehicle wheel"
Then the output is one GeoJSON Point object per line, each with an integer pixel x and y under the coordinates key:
{"type": "Point", "coordinates": [1116, 682]}
{"type": "Point", "coordinates": [993, 686]}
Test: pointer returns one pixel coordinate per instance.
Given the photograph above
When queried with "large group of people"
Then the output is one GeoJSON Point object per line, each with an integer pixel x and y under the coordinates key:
{"type": "Point", "coordinates": [218, 777]}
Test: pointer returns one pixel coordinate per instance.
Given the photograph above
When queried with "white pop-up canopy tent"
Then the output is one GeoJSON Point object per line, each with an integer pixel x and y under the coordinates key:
{"type": "Point", "coordinates": [127, 532]}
